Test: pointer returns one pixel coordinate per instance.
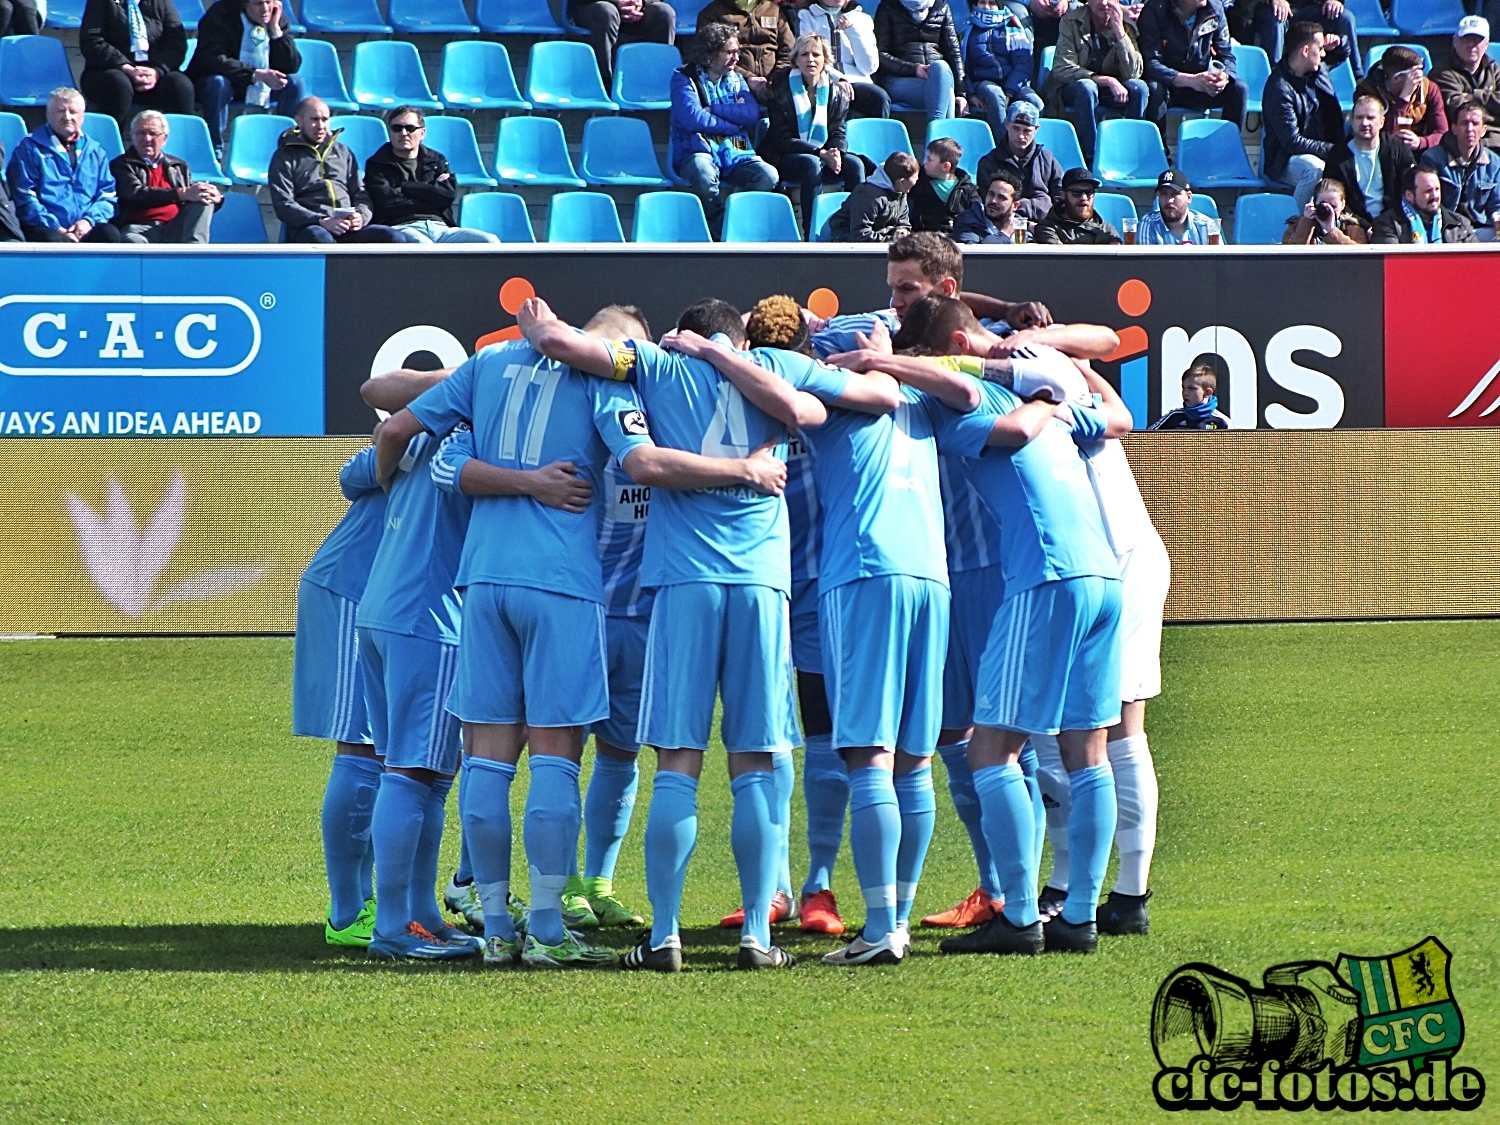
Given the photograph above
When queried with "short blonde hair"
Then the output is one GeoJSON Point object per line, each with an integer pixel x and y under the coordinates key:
{"type": "Point", "coordinates": [805, 41]}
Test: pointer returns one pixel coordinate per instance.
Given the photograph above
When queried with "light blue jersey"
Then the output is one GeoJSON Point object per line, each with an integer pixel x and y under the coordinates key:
{"type": "Point", "coordinates": [839, 332]}
{"type": "Point", "coordinates": [410, 592]}
{"type": "Point", "coordinates": [970, 530]}
{"type": "Point", "coordinates": [527, 412]}
{"type": "Point", "coordinates": [342, 563]}
{"type": "Point", "coordinates": [622, 543]}
{"type": "Point", "coordinates": [803, 512]}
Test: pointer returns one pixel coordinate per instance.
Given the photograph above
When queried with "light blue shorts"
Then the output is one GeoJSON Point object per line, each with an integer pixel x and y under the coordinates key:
{"type": "Point", "coordinates": [328, 691]}
{"type": "Point", "coordinates": [807, 643]}
{"type": "Point", "coordinates": [708, 639]}
{"type": "Point", "coordinates": [407, 680]}
{"type": "Point", "coordinates": [977, 597]}
{"type": "Point", "coordinates": [884, 641]}
{"type": "Point", "coordinates": [626, 638]}
{"type": "Point", "coordinates": [530, 656]}
{"type": "Point", "coordinates": [1053, 659]}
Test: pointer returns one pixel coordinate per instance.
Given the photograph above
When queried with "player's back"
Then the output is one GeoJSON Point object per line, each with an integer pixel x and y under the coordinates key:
{"type": "Point", "coordinates": [1127, 523]}
{"type": "Point", "coordinates": [841, 333]}
{"type": "Point", "coordinates": [342, 563]}
{"type": "Point", "coordinates": [971, 530]}
{"type": "Point", "coordinates": [803, 512]}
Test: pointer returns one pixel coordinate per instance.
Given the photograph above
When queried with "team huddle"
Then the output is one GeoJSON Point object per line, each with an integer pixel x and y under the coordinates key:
{"type": "Point", "coordinates": [880, 537]}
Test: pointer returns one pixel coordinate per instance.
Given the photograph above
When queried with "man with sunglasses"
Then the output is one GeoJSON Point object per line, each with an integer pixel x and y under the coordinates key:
{"type": "Point", "coordinates": [1072, 220]}
{"type": "Point", "coordinates": [410, 185]}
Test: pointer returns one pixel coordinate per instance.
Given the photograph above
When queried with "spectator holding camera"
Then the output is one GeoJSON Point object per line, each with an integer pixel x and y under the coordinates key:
{"type": "Point", "coordinates": [1469, 171]}
{"type": "Point", "coordinates": [1304, 122]}
{"type": "Point", "coordinates": [1421, 218]}
{"type": "Point", "coordinates": [1200, 403]}
{"type": "Point", "coordinates": [1096, 71]}
{"type": "Point", "coordinates": [1370, 163]}
{"type": "Point", "coordinates": [1414, 113]}
{"type": "Point", "coordinates": [1189, 59]}
{"type": "Point", "coordinates": [1325, 220]}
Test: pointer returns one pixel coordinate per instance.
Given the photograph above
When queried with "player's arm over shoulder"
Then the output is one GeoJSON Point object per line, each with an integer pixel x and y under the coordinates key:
{"type": "Point", "coordinates": [359, 474]}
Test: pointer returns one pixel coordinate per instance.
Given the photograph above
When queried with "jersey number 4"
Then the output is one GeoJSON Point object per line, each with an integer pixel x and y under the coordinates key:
{"type": "Point", "coordinates": [727, 434]}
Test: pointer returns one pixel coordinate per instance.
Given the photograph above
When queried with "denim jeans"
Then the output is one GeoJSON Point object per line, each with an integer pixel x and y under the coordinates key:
{"type": "Point", "coordinates": [1083, 106]}
{"type": "Point", "coordinates": [432, 230]}
{"type": "Point", "coordinates": [1303, 172]}
{"type": "Point", "coordinates": [993, 100]}
{"type": "Point", "coordinates": [711, 183]}
{"type": "Point", "coordinates": [809, 173]}
{"type": "Point", "coordinates": [216, 94]}
{"type": "Point", "coordinates": [934, 93]}
{"type": "Point", "coordinates": [371, 233]}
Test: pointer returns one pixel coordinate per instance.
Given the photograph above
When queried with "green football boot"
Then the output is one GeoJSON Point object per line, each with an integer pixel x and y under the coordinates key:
{"type": "Point", "coordinates": [609, 910]}
{"type": "Point", "coordinates": [357, 934]}
{"type": "Point", "coordinates": [571, 953]}
{"type": "Point", "coordinates": [576, 911]}
{"type": "Point", "coordinates": [464, 902]}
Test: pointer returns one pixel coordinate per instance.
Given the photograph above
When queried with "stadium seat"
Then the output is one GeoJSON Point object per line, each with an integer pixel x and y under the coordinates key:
{"type": "Point", "coordinates": [324, 76]}
{"type": "Point", "coordinates": [387, 74]}
{"type": "Point", "coordinates": [687, 15]}
{"type": "Point", "coordinates": [344, 16]}
{"type": "Point", "coordinates": [960, 10]}
{"type": "Point", "coordinates": [1212, 155]}
{"type": "Point", "coordinates": [363, 135]}
{"type": "Point", "coordinates": [563, 74]}
{"type": "Point", "coordinates": [1130, 153]}
{"type": "Point", "coordinates": [239, 220]}
{"type": "Point", "coordinates": [1048, 54]}
{"type": "Point", "coordinates": [102, 128]}
{"type": "Point", "coordinates": [516, 17]}
{"type": "Point", "coordinates": [478, 75]}
{"type": "Point", "coordinates": [1343, 84]}
{"type": "Point", "coordinates": [1204, 204]}
{"type": "Point", "coordinates": [972, 135]}
{"type": "Point", "coordinates": [1369, 20]}
{"type": "Point", "coordinates": [760, 216]}
{"type": "Point", "coordinates": [187, 139]}
{"type": "Point", "coordinates": [1375, 52]}
{"type": "Point", "coordinates": [1114, 208]}
{"type": "Point", "coordinates": [454, 138]}
{"type": "Point", "coordinates": [583, 216]}
{"type": "Point", "coordinates": [500, 213]}
{"type": "Point", "coordinates": [617, 151]}
{"type": "Point", "coordinates": [1253, 66]}
{"type": "Point", "coordinates": [31, 67]}
{"type": "Point", "coordinates": [1427, 17]}
{"type": "Point", "coordinates": [13, 128]}
{"type": "Point", "coordinates": [1493, 50]}
{"type": "Point", "coordinates": [1059, 136]}
{"type": "Point", "coordinates": [1260, 219]}
{"type": "Point", "coordinates": [64, 13]}
{"type": "Point", "coordinates": [823, 208]}
{"type": "Point", "coordinates": [426, 17]}
{"type": "Point", "coordinates": [643, 75]}
{"type": "Point", "coordinates": [187, 58]}
{"type": "Point", "coordinates": [533, 151]}
{"type": "Point", "coordinates": [670, 216]}
{"type": "Point", "coordinates": [191, 11]}
{"type": "Point", "coordinates": [876, 137]}
{"type": "Point", "coordinates": [252, 143]}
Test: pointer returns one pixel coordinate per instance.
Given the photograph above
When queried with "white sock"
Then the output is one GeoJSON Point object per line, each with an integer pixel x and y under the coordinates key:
{"type": "Point", "coordinates": [547, 890]}
{"type": "Point", "coordinates": [1136, 796]}
{"type": "Point", "coordinates": [493, 897]}
{"type": "Point", "coordinates": [1057, 797]}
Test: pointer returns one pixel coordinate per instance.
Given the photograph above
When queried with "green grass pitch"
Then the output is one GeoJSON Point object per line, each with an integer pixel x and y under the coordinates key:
{"type": "Point", "coordinates": [1324, 789]}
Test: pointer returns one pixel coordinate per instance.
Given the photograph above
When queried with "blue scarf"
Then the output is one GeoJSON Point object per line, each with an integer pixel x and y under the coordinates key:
{"type": "Point", "coordinates": [987, 17]}
{"type": "Point", "coordinates": [812, 111]}
{"type": "Point", "coordinates": [140, 45]}
{"type": "Point", "coordinates": [1420, 231]}
{"type": "Point", "coordinates": [1204, 410]}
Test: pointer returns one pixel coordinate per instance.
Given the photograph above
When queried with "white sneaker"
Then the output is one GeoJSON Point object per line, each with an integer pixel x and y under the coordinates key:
{"type": "Point", "coordinates": [889, 950]}
{"type": "Point", "coordinates": [902, 938]}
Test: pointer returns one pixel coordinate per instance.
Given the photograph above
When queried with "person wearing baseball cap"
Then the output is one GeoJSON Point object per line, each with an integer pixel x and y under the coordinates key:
{"type": "Point", "coordinates": [1471, 74]}
{"type": "Point", "coordinates": [1018, 151]}
{"type": "Point", "coordinates": [1174, 222]}
{"type": "Point", "coordinates": [1072, 220]}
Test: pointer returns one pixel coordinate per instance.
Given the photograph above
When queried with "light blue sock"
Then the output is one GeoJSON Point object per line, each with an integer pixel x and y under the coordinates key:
{"type": "Point", "coordinates": [961, 788]}
{"type": "Point", "coordinates": [424, 870]}
{"type": "Point", "coordinates": [396, 826]}
{"type": "Point", "coordinates": [1091, 830]}
{"type": "Point", "coordinates": [875, 840]}
{"type": "Point", "coordinates": [551, 830]}
{"type": "Point", "coordinates": [465, 873]}
{"type": "Point", "coordinates": [825, 788]}
{"type": "Point", "coordinates": [1010, 831]}
{"type": "Point", "coordinates": [918, 805]}
{"type": "Point", "coordinates": [1030, 763]}
{"type": "Point", "coordinates": [484, 808]}
{"type": "Point", "coordinates": [671, 835]}
{"type": "Point", "coordinates": [348, 803]}
{"type": "Point", "coordinates": [606, 814]}
{"type": "Point", "coordinates": [756, 840]}
{"type": "Point", "coordinates": [785, 773]}
{"type": "Point", "coordinates": [367, 867]}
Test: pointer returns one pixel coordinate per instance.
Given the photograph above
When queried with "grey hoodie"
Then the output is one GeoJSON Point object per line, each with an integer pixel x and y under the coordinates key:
{"type": "Point", "coordinates": [874, 212]}
{"type": "Point", "coordinates": [309, 183]}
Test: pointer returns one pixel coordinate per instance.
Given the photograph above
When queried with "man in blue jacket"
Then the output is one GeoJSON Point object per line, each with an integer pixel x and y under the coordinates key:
{"type": "Point", "coordinates": [1189, 60]}
{"type": "Point", "coordinates": [60, 179]}
{"type": "Point", "coordinates": [1304, 122]}
{"type": "Point", "coordinates": [1470, 172]}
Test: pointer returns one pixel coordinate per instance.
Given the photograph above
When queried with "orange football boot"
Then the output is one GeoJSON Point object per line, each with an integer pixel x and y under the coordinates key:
{"type": "Point", "coordinates": [975, 910]}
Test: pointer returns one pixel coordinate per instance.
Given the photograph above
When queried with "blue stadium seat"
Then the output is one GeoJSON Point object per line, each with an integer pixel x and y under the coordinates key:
{"type": "Point", "coordinates": [64, 13]}
{"type": "Point", "coordinates": [669, 216]}
{"type": "Point", "coordinates": [478, 75]}
{"type": "Point", "coordinates": [687, 15]}
{"type": "Point", "coordinates": [877, 137]}
{"type": "Point", "coordinates": [1253, 66]}
{"type": "Point", "coordinates": [102, 128]}
{"type": "Point", "coordinates": [190, 12]}
{"type": "Point", "coordinates": [1059, 136]}
{"type": "Point", "coordinates": [362, 134]}
{"type": "Point", "coordinates": [533, 151]}
{"type": "Point", "coordinates": [239, 220]}
{"type": "Point", "coordinates": [760, 216]}
{"type": "Point", "coordinates": [1493, 50]}
{"type": "Point", "coordinates": [1260, 219]}
{"type": "Point", "coordinates": [617, 151]}
{"type": "Point", "coordinates": [13, 128]}
{"type": "Point", "coordinates": [1381, 48]}
{"type": "Point", "coordinates": [1130, 153]}
{"type": "Point", "coordinates": [387, 74]}
{"type": "Point", "coordinates": [1212, 155]}
{"type": "Point", "coordinates": [1343, 84]}
{"type": "Point", "coordinates": [1370, 21]}
{"type": "Point", "coordinates": [31, 67]}
{"type": "Point", "coordinates": [972, 135]}
{"type": "Point", "coordinates": [192, 49]}
{"type": "Point", "coordinates": [1048, 54]}
{"type": "Point", "coordinates": [324, 76]}
{"type": "Point", "coordinates": [961, 20]}
{"type": "Point", "coordinates": [344, 16]}
{"type": "Point", "coordinates": [187, 139]}
{"type": "Point", "coordinates": [1204, 204]}
{"type": "Point", "coordinates": [252, 143]}
{"type": "Point", "coordinates": [1114, 208]}
{"type": "Point", "coordinates": [563, 74]}
{"type": "Point", "coordinates": [421, 17]}
{"type": "Point", "coordinates": [643, 75]}
{"type": "Point", "coordinates": [454, 138]}
{"type": "Point", "coordinates": [583, 216]}
{"type": "Point", "coordinates": [1427, 17]}
{"type": "Point", "coordinates": [516, 17]}
{"type": "Point", "coordinates": [823, 208]}
{"type": "Point", "coordinates": [500, 213]}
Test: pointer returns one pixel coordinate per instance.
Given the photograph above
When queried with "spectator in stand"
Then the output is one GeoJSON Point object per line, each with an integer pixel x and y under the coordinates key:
{"type": "Point", "coordinates": [1370, 163]}
{"type": "Point", "coordinates": [1272, 18]}
{"type": "Point", "coordinates": [1414, 106]}
{"type": "Point", "coordinates": [612, 22]}
{"type": "Point", "coordinates": [1304, 122]}
{"type": "Point", "coordinates": [998, 61]}
{"type": "Point", "coordinates": [1072, 220]}
{"type": "Point", "coordinates": [410, 186]}
{"type": "Point", "coordinates": [1326, 220]}
{"type": "Point", "coordinates": [1174, 222]}
{"type": "Point", "coordinates": [877, 210]}
{"type": "Point", "coordinates": [1421, 217]}
{"type": "Point", "coordinates": [245, 54]}
{"type": "Point", "coordinates": [713, 110]}
{"type": "Point", "coordinates": [315, 186]}
{"type": "Point", "coordinates": [1096, 71]}
{"type": "Point", "coordinates": [1019, 151]}
{"type": "Point", "coordinates": [157, 199]}
{"type": "Point", "coordinates": [920, 56]}
{"type": "Point", "coordinates": [764, 36]}
{"type": "Point", "coordinates": [59, 178]}
{"type": "Point", "coordinates": [132, 55]}
{"type": "Point", "coordinates": [1473, 74]}
{"type": "Point", "coordinates": [1200, 403]}
{"type": "Point", "coordinates": [10, 224]}
{"type": "Point", "coordinates": [850, 33]}
{"type": "Point", "coordinates": [992, 221]}
{"type": "Point", "coordinates": [944, 190]}
{"type": "Point", "coordinates": [1469, 171]}
{"type": "Point", "coordinates": [19, 17]}
{"type": "Point", "coordinates": [1188, 59]}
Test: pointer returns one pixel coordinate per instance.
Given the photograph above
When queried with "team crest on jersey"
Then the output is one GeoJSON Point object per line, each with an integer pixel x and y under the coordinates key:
{"type": "Point", "coordinates": [633, 422]}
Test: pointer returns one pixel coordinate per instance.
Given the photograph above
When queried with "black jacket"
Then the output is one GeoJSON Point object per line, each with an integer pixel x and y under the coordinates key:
{"type": "Point", "coordinates": [1040, 173]}
{"type": "Point", "coordinates": [1170, 47]}
{"type": "Point", "coordinates": [104, 36]}
{"type": "Point", "coordinates": [905, 44]}
{"type": "Point", "coordinates": [929, 211]}
{"type": "Point", "coordinates": [10, 225]}
{"type": "Point", "coordinates": [1394, 157]}
{"type": "Point", "coordinates": [1059, 230]}
{"type": "Point", "coordinates": [1302, 117]}
{"type": "Point", "coordinates": [874, 212]}
{"type": "Point", "coordinates": [782, 138]}
{"type": "Point", "coordinates": [1394, 228]}
{"type": "Point", "coordinates": [131, 191]}
{"type": "Point", "coordinates": [220, 32]}
{"type": "Point", "coordinates": [396, 197]}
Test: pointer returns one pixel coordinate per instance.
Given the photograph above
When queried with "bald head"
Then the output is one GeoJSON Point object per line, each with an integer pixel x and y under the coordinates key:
{"type": "Point", "coordinates": [312, 120]}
